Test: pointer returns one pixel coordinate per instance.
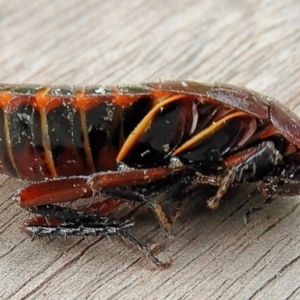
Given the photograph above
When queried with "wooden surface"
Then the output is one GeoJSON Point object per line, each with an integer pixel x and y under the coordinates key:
{"type": "Point", "coordinates": [216, 256]}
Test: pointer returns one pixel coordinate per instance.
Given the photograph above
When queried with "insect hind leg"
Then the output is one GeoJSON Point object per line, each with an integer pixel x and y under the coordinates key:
{"type": "Point", "coordinates": [60, 221]}
{"type": "Point", "coordinates": [57, 221]}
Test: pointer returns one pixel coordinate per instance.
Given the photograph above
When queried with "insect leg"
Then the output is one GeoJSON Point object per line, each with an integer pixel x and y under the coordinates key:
{"type": "Point", "coordinates": [60, 221]}
{"type": "Point", "coordinates": [128, 236]}
{"type": "Point", "coordinates": [147, 199]}
{"type": "Point", "coordinates": [262, 155]}
{"type": "Point", "coordinates": [56, 190]}
{"type": "Point", "coordinates": [214, 201]}
{"type": "Point", "coordinates": [130, 177]}
{"type": "Point", "coordinates": [63, 222]}
{"type": "Point", "coordinates": [134, 177]}
{"type": "Point", "coordinates": [65, 189]}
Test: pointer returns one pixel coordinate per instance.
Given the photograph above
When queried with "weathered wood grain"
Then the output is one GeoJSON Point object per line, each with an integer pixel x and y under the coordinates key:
{"type": "Point", "coordinates": [216, 256]}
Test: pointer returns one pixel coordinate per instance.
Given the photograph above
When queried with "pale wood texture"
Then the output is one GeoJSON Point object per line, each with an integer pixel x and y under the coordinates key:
{"type": "Point", "coordinates": [216, 256]}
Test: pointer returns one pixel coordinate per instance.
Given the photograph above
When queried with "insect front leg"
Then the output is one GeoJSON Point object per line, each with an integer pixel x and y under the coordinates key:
{"type": "Point", "coordinates": [261, 155]}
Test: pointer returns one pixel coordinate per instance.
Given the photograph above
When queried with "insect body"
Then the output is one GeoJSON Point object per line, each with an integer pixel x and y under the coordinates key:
{"type": "Point", "coordinates": [131, 143]}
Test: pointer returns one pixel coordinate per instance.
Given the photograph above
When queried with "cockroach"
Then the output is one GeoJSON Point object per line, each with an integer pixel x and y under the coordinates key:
{"type": "Point", "coordinates": [136, 142]}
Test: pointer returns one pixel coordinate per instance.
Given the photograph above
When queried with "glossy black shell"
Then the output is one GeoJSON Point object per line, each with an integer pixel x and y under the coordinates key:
{"type": "Point", "coordinates": [67, 130]}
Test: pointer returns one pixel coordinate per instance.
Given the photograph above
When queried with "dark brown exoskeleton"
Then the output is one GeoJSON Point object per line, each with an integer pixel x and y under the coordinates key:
{"type": "Point", "coordinates": [132, 143]}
